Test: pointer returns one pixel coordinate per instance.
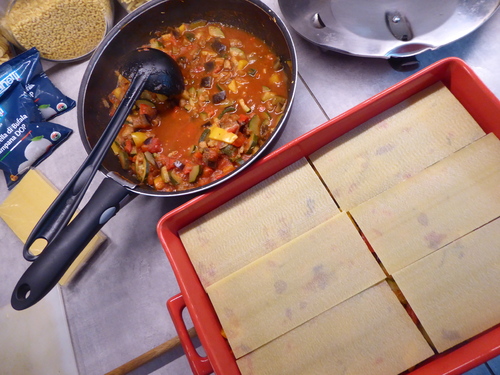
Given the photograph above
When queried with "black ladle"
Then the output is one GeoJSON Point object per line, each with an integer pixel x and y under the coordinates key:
{"type": "Point", "coordinates": [147, 69]}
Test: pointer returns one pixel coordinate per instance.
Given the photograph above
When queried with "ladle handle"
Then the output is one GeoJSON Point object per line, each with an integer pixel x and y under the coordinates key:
{"type": "Point", "coordinates": [64, 206]}
{"type": "Point", "coordinates": [46, 271]}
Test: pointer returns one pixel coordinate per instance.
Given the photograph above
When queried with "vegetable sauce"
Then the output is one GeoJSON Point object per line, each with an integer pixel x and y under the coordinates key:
{"type": "Point", "coordinates": [235, 93]}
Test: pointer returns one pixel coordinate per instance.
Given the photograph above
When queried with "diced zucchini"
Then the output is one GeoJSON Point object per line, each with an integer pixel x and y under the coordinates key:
{"type": "Point", "coordinates": [115, 147]}
{"type": "Point", "coordinates": [164, 174]}
{"type": "Point", "coordinates": [254, 125]}
{"type": "Point", "coordinates": [145, 101]}
{"type": "Point", "coordinates": [150, 158]}
{"type": "Point", "coordinates": [190, 36]}
{"type": "Point", "coordinates": [228, 150]}
{"type": "Point", "coordinates": [216, 32]}
{"type": "Point", "coordinates": [195, 24]}
{"type": "Point", "coordinates": [237, 52]}
{"type": "Point", "coordinates": [279, 102]}
{"type": "Point", "coordinates": [141, 166]}
{"type": "Point", "coordinates": [195, 173]}
{"type": "Point", "coordinates": [243, 105]}
{"type": "Point", "coordinates": [226, 110]}
{"type": "Point", "coordinates": [253, 142]}
{"type": "Point", "coordinates": [123, 159]}
{"type": "Point", "coordinates": [252, 72]}
{"type": "Point", "coordinates": [204, 135]}
{"type": "Point", "coordinates": [192, 92]}
{"type": "Point", "coordinates": [174, 177]}
{"type": "Point", "coordinates": [267, 95]}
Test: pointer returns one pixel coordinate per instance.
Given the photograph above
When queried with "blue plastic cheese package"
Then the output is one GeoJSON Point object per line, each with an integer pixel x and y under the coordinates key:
{"type": "Point", "coordinates": [27, 69]}
{"type": "Point", "coordinates": [25, 139]}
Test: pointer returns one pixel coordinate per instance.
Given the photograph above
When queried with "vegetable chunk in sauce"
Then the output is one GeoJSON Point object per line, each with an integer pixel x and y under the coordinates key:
{"type": "Point", "coordinates": [236, 92]}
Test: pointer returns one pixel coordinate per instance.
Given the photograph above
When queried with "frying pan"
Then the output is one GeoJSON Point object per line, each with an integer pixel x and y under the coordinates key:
{"type": "Point", "coordinates": [136, 29]}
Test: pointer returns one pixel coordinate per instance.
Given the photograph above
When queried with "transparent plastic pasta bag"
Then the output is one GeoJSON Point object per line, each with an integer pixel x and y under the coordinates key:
{"type": "Point", "coordinates": [27, 69]}
{"type": "Point", "coordinates": [25, 140]}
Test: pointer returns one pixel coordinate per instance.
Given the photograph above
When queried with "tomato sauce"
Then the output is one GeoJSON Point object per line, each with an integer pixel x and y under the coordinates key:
{"type": "Point", "coordinates": [235, 94]}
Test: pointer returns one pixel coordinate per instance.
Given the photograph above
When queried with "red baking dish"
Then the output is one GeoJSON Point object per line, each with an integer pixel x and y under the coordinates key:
{"type": "Point", "coordinates": [466, 87]}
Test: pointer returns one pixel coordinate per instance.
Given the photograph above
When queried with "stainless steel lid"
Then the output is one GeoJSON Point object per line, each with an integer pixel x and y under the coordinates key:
{"type": "Point", "coordinates": [385, 29]}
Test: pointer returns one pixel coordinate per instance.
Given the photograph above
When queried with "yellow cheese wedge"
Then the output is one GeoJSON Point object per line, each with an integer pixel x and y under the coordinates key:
{"type": "Point", "coordinates": [294, 283]}
{"type": "Point", "coordinates": [26, 204]}
{"type": "Point", "coordinates": [395, 145]}
{"type": "Point", "coordinates": [435, 207]}
{"type": "Point", "coordinates": [454, 291]}
{"type": "Point", "coordinates": [370, 333]}
{"type": "Point", "coordinates": [257, 221]}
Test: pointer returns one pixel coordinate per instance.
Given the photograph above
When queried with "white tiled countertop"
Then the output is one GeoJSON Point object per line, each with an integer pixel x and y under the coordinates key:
{"type": "Point", "coordinates": [116, 305]}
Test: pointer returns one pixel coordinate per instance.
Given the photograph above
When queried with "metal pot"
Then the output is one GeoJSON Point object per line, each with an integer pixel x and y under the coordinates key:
{"type": "Point", "coordinates": [389, 29]}
{"type": "Point", "coordinates": [99, 80]}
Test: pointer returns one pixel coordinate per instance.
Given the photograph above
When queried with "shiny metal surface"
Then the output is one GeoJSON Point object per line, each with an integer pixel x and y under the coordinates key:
{"type": "Point", "coordinates": [392, 28]}
{"type": "Point", "coordinates": [116, 305]}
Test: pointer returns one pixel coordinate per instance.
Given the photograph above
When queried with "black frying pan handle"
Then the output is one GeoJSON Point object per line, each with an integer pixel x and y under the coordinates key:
{"type": "Point", "coordinates": [64, 206]}
{"type": "Point", "coordinates": [46, 271]}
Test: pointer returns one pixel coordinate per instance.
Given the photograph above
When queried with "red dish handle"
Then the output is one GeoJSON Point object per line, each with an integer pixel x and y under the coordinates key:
{"type": "Point", "coordinates": [200, 365]}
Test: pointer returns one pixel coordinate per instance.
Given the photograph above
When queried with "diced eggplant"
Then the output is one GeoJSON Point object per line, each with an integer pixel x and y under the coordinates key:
{"type": "Point", "coordinates": [178, 164]}
{"type": "Point", "coordinates": [206, 82]}
{"type": "Point", "coordinates": [219, 97]}
{"type": "Point", "coordinates": [209, 66]}
{"type": "Point", "coordinates": [218, 46]}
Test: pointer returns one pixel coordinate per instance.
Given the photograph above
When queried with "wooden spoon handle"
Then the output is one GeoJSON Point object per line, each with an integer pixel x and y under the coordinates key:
{"type": "Point", "coordinates": [149, 355]}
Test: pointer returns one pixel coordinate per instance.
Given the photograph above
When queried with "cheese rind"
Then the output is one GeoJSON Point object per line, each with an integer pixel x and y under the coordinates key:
{"type": "Point", "coordinates": [395, 145]}
{"type": "Point", "coordinates": [24, 207]}
{"type": "Point", "coordinates": [454, 291]}
{"type": "Point", "coordinates": [369, 333]}
{"type": "Point", "coordinates": [261, 219]}
{"type": "Point", "coordinates": [435, 207]}
{"type": "Point", "coordinates": [294, 283]}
